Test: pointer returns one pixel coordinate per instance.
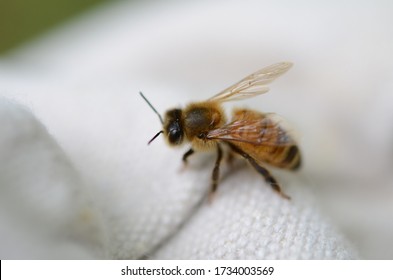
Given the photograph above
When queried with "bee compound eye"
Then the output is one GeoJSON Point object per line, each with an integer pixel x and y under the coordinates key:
{"type": "Point", "coordinates": [175, 136]}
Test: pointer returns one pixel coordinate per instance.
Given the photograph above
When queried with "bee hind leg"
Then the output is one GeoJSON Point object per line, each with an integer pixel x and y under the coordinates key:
{"type": "Point", "coordinates": [268, 177]}
{"type": "Point", "coordinates": [216, 173]}
{"type": "Point", "coordinates": [261, 170]}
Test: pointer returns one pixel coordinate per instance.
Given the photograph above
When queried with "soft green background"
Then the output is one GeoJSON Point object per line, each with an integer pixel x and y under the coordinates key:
{"type": "Point", "coordinates": [22, 20]}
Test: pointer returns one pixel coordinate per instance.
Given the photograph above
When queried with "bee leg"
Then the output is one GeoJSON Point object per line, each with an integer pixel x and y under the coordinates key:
{"type": "Point", "coordinates": [263, 171]}
{"type": "Point", "coordinates": [186, 155]}
{"type": "Point", "coordinates": [216, 173]}
{"type": "Point", "coordinates": [268, 177]}
{"type": "Point", "coordinates": [230, 157]}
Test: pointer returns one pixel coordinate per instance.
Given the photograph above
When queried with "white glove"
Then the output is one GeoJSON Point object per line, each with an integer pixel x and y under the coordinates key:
{"type": "Point", "coordinates": [109, 195]}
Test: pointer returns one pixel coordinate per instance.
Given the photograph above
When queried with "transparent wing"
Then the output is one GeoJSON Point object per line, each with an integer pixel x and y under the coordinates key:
{"type": "Point", "coordinates": [264, 131]}
{"type": "Point", "coordinates": [253, 84]}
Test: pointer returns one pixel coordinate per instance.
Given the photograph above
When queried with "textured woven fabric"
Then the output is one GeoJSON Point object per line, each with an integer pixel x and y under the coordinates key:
{"type": "Point", "coordinates": [138, 214]}
{"type": "Point", "coordinates": [248, 221]}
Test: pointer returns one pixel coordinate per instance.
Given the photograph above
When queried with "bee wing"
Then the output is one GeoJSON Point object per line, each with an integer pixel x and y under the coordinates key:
{"type": "Point", "coordinates": [264, 131]}
{"type": "Point", "coordinates": [253, 84]}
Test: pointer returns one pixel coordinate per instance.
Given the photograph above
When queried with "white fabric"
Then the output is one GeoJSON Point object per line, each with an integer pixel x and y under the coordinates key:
{"type": "Point", "coordinates": [78, 180]}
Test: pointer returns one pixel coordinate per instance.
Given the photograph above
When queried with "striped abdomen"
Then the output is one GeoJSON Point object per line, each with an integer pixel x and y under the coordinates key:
{"type": "Point", "coordinates": [262, 138]}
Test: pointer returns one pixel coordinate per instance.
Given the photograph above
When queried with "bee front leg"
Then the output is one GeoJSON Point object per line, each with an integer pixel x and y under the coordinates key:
{"type": "Point", "coordinates": [187, 154]}
{"type": "Point", "coordinates": [216, 173]}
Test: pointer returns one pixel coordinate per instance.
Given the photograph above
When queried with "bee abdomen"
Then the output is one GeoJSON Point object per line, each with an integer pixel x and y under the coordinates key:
{"type": "Point", "coordinates": [287, 157]}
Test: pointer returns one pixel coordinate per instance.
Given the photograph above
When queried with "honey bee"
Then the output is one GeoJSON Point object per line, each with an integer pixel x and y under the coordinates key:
{"type": "Point", "coordinates": [255, 136]}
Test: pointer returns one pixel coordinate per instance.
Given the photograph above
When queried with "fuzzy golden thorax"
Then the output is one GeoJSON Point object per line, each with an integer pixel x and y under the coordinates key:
{"type": "Point", "coordinates": [199, 119]}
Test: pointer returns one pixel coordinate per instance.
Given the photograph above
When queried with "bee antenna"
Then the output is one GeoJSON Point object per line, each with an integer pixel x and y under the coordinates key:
{"type": "Point", "coordinates": [155, 111]}
{"type": "Point", "coordinates": [155, 136]}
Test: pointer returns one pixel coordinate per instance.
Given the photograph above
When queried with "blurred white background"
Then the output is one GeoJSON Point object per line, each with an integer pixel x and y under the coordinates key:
{"type": "Point", "coordinates": [82, 80]}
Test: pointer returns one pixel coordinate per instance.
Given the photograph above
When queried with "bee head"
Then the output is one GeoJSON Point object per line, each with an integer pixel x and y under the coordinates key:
{"type": "Point", "coordinates": [173, 127]}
